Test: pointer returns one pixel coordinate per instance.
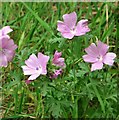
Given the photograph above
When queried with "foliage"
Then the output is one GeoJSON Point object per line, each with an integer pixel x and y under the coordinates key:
{"type": "Point", "coordinates": [78, 93]}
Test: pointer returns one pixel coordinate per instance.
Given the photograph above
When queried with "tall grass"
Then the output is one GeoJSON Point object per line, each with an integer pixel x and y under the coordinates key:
{"type": "Point", "coordinates": [78, 93]}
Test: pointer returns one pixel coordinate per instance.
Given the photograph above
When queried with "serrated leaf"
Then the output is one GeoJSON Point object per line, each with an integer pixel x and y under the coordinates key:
{"type": "Point", "coordinates": [54, 40]}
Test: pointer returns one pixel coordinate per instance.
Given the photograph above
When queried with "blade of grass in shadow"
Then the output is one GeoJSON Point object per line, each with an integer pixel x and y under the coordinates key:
{"type": "Point", "coordinates": [108, 32]}
{"type": "Point", "coordinates": [98, 96]}
{"type": "Point", "coordinates": [21, 101]}
{"type": "Point", "coordinates": [43, 23]}
{"type": "Point", "coordinates": [15, 95]}
{"type": "Point", "coordinates": [117, 28]}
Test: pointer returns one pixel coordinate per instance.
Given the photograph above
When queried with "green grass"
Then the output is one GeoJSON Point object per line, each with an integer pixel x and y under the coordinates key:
{"type": "Point", "coordinates": [78, 93]}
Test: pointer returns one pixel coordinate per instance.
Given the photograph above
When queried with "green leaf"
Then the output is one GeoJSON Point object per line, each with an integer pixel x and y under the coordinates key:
{"type": "Point", "coordinates": [55, 40]}
{"type": "Point", "coordinates": [98, 96]}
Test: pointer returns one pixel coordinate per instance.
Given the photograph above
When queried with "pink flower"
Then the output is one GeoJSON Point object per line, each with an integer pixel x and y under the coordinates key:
{"type": "Point", "coordinates": [69, 29]}
{"type": "Point", "coordinates": [5, 30]}
{"type": "Point", "coordinates": [97, 55]}
{"type": "Point", "coordinates": [35, 66]}
{"type": "Point", "coordinates": [58, 60]}
{"type": "Point", "coordinates": [56, 73]}
{"type": "Point", "coordinates": [7, 50]}
{"type": "Point", "coordinates": [28, 81]}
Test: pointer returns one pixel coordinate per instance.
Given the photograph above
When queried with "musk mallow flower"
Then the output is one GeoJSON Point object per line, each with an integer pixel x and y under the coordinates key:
{"type": "Point", "coordinates": [35, 66]}
{"type": "Point", "coordinates": [58, 60]}
{"type": "Point", "coordinates": [98, 55]}
{"type": "Point", "coordinates": [56, 74]}
{"type": "Point", "coordinates": [7, 50]}
{"type": "Point", "coordinates": [5, 30]}
{"type": "Point", "coordinates": [69, 28]}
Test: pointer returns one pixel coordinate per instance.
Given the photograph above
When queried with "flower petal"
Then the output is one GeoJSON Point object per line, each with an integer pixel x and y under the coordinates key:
{"type": "Point", "coordinates": [9, 54]}
{"type": "Point", "coordinates": [92, 50]}
{"type": "Point", "coordinates": [56, 73]}
{"type": "Point", "coordinates": [108, 58]}
{"type": "Point", "coordinates": [28, 71]}
{"type": "Point", "coordinates": [57, 54]}
{"type": "Point", "coordinates": [4, 40]}
{"type": "Point", "coordinates": [43, 59]}
{"type": "Point", "coordinates": [97, 66]}
{"type": "Point", "coordinates": [65, 31]}
{"type": "Point", "coordinates": [90, 59]}
{"type": "Point", "coordinates": [6, 30]}
{"type": "Point", "coordinates": [33, 61]}
{"type": "Point", "coordinates": [7, 43]}
{"type": "Point", "coordinates": [82, 28]}
{"type": "Point", "coordinates": [62, 27]}
{"type": "Point", "coordinates": [68, 35]}
{"type": "Point", "coordinates": [102, 48]}
{"type": "Point", "coordinates": [70, 19]}
{"type": "Point", "coordinates": [33, 77]}
{"type": "Point", "coordinates": [3, 60]}
{"type": "Point", "coordinates": [10, 45]}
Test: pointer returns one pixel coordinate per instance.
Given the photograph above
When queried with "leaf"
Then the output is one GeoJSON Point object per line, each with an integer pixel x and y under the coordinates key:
{"type": "Point", "coordinates": [56, 110]}
{"type": "Point", "coordinates": [54, 40]}
{"type": "Point", "coordinates": [99, 97]}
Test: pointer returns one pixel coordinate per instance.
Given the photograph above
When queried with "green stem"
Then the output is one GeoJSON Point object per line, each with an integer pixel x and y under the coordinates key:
{"type": "Point", "coordinates": [42, 106]}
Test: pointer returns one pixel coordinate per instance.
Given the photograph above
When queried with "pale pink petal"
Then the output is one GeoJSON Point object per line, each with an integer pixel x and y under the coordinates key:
{"type": "Point", "coordinates": [70, 19]}
{"type": "Point", "coordinates": [3, 60]}
{"type": "Point", "coordinates": [34, 60]}
{"type": "Point", "coordinates": [30, 63]}
{"type": "Point", "coordinates": [33, 76]}
{"type": "Point", "coordinates": [58, 60]}
{"type": "Point", "coordinates": [68, 35]}
{"type": "Point", "coordinates": [43, 59]}
{"type": "Point", "coordinates": [6, 30]}
{"type": "Point", "coordinates": [90, 59]}
{"type": "Point", "coordinates": [103, 48]}
{"type": "Point", "coordinates": [108, 58]}
{"type": "Point", "coordinates": [57, 54]}
{"type": "Point", "coordinates": [10, 45]}
{"type": "Point", "coordinates": [62, 27]}
{"type": "Point", "coordinates": [4, 40]}
{"type": "Point", "coordinates": [96, 66]}
{"type": "Point", "coordinates": [9, 54]}
{"type": "Point", "coordinates": [56, 73]}
{"type": "Point", "coordinates": [82, 28]}
{"type": "Point", "coordinates": [65, 31]}
{"type": "Point", "coordinates": [92, 50]}
{"type": "Point", "coordinates": [28, 71]}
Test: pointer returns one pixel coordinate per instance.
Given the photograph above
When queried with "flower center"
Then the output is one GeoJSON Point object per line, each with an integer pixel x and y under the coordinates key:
{"type": "Point", "coordinates": [100, 58]}
{"type": "Point", "coordinates": [3, 50]}
{"type": "Point", "coordinates": [73, 31]}
{"type": "Point", "coordinates": [39, 69]}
